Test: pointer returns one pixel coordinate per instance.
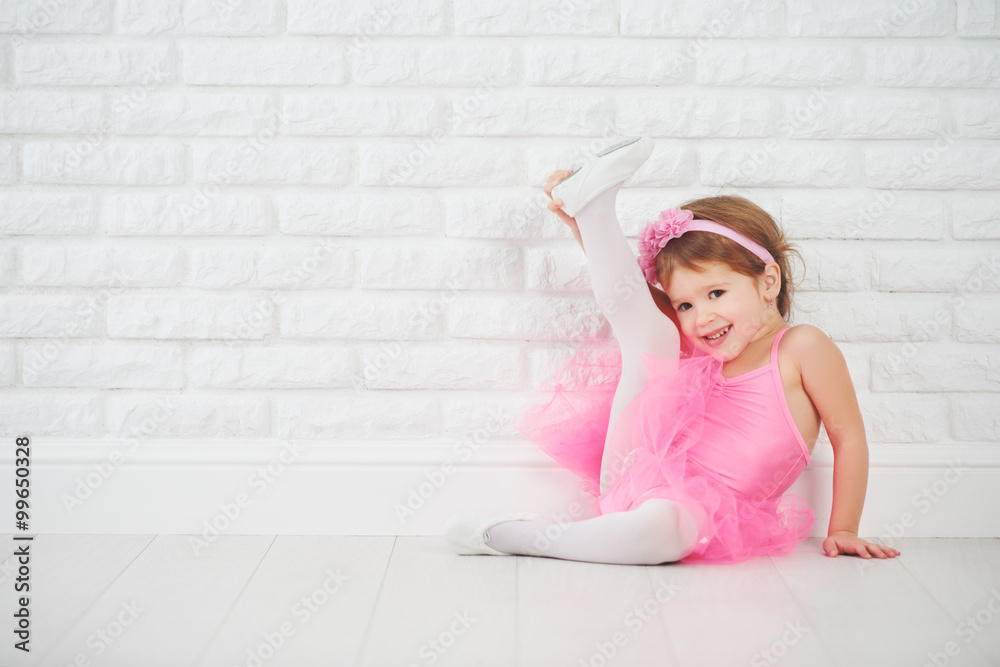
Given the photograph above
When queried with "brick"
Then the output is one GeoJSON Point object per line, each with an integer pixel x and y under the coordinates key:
{"type": "Point", "coordinates": [767, 64]}
{"type": "Point", "coordinates": [272, 367]}
{"type": "Point", "coordinates": [363, 114]}
{"type": "Point", "coordinates": [34, 112]}
{"type": "Point", "coordinates": [346, 214]}
{"type": "Point", "coordinates": [451, 266]}
{"type": "Point", "coordinates": [349, 418]}
{"type": "Point", "coordinates": [57, 213]}
{"type": "Point", "coordinates": [46, 315]}
{"type": "Point", "coordinates": [905, 418]}
{"type": "Point", "coordinates": [857, 18]}
{"type": "Point", "coordinates": [863, 215]}
{"type": "Point", "coordinates": [533, 17]}
{"type": "Point", "coordinates": [670, 115]}
{"type": "Point", "coordinates": [966, 66]}
{"type": "Point", "coordinates": [450, 367]}
{"type": "Point", "coordinates": [185, 212]}
{"type": "Point", "coordinates": [29, 17]}
{"type": "Point", "coordinates": [441, 162]}
{"type": "Point", "coordinates": [98, 64]}
{"type": "Point", "coordinates": [705, 21]}
{"type": "Point", "coordinates": [136, 416]}
{"type": "Point", "coordinates": [51, 413]}
{"type": "Point", "coordinates": [500, 214]}
{"type": "Point", "coordinates": [108, 365]}
{"type": "Point", "coordinates": [863, 317]}
{"type": "Point", "coordinates": [307, 265]}
{"type": "Point", "coordinates": [537, 318]}
{"type": "Point", "coordinates": [8, 265]}
{"type": "Point", "coordinates": [482, 113]}
{"type": "Point", "coordinates": [270, 162]}
{"type": "Point", "coordinates": [978, 19]}
{"type": "Point", "coordinates": [101, 265]}
{"type": "Point", "coordinates": [190, 317]}
{"type": "Point", "coordinates": [977, 116]}
{"type": "Point", "coordinates": [480, 418]}
{"type": "Point", "coordinates": [451, 64]}
{"type": "Point", "coordinates": [856, 117]}
{"type": "Point", "coordinates": [8, 163]}
{"type": "Point", "coordinates": [8, 362]}
{"type": "Point", "coordinates": [103, 162]}
{"type": "Point", "coordinates": [937, 268]}
{"type": "Point", "coordinates": [832, 267]}
{"type": "Point", "coordinates": [942, 165]}
{"type": "Point", "coordinates": [977, 317]}
{"type": "Point", "coordinates": [600, 62]}
{"type": "Point", "coordinates": [194, 115]}
{"type": "Point", "coordinates": [935, 367]}
{"type": "Point", "coordinates": [774, 163]}
{"type": "Point", "coordinates": [976, 216]}
{"type": "Point", "coordinates": [340, 316]}
{"type": "Point", "coordinates": [200, 17]}
{"type": "Point", "coordinates": [975, 417]}
{"type": "Point", "coordinates": [285, 63]}
{"type": "Point", "coordinates": [557, 269]}
{"type": "Point", "coordinates": [366, 19]}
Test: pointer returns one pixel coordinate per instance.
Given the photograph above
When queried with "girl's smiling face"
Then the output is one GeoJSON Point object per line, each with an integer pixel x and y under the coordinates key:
{"type": "Point", "coordinates": [722, 310]}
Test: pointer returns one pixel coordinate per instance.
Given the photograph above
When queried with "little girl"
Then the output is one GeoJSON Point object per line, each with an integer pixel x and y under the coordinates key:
{"type": "Point", "coordinates": [713, 404]}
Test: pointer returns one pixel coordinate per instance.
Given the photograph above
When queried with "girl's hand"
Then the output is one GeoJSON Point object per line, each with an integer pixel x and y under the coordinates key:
{"type": "Point", "coordinates": [556, 204]}
{"type": "Point", "coordinates": [843, 542]}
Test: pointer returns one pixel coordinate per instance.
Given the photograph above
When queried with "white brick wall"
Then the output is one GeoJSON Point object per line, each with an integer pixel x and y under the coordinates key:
{"type": "Point", "coordinates": [322, 219]}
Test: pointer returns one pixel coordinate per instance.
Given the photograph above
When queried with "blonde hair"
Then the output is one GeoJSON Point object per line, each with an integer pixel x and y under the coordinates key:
{"type": "Point", "coordinates": [692, 249]}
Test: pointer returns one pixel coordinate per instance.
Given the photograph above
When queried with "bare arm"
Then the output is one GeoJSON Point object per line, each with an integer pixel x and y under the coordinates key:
{"type": "Point", "coordinates": [827, 382]}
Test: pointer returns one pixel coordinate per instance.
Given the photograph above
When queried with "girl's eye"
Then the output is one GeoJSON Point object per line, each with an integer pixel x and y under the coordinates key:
{"type": "Point", "coordinates": [682, 308]}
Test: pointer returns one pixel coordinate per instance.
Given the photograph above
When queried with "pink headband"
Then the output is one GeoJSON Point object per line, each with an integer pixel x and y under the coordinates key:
{"type": "Point", "coordinates": [675, 221]}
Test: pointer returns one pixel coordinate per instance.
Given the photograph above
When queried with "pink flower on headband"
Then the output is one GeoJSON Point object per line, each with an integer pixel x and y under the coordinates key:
{"type": "Point", "coordinates": [672, 223]}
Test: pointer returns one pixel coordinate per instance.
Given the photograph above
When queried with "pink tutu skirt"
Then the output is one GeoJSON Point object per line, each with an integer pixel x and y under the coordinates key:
{"type": "Point", "coordinates": [660, 428]}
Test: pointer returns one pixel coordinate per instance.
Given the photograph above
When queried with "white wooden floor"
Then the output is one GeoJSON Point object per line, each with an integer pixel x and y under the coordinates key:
{"type": "Point", "coordinates": [142, 601]}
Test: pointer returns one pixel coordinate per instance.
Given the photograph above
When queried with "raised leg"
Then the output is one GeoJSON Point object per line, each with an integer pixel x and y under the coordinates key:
{"type": "Point", "coordinates": [623, 296]}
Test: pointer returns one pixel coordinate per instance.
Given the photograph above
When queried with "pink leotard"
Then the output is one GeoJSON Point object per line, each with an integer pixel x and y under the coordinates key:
{"type": "Point", "coordinates": [749, 438]}
{"type": "Point", "coordinates": [725, 448]}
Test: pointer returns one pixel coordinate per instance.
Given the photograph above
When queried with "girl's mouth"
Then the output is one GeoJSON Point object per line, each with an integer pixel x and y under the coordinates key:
{"type": "Point", "coordinates": [716, 339]}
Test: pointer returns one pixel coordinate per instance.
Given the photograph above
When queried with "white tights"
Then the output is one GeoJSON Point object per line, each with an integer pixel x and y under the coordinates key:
{"type": "Point", "coordinates": [659, 530]}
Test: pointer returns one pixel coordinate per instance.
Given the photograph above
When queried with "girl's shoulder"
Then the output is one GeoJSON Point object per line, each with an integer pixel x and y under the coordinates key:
{"type": "Point", "coordinates": [805, 342]}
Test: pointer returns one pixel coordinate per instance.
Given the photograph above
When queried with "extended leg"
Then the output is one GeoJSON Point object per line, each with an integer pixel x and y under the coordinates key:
{"type": "Point", "coordinates": [658, 531]}
{"type": "Point", "coordinates": [623, 296]}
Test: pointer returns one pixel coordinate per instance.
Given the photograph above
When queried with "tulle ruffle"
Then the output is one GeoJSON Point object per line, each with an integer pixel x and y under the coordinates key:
{"type": "Point", "coordinates": [658, 433]}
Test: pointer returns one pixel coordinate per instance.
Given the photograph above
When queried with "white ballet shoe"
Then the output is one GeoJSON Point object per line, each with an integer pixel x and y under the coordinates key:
{"type": "Point", "coordinates": [608, 168]}
{"type": "Point", "coordinates": [464, 531]}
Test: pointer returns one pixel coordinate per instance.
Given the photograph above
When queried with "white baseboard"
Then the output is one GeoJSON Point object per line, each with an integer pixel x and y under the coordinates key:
{"type": "Point", "coordinates": [211, 488]}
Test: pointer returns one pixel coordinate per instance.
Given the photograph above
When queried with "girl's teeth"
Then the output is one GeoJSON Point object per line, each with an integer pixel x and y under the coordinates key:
{"type": "Point", "coordinates": [718, 335]}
